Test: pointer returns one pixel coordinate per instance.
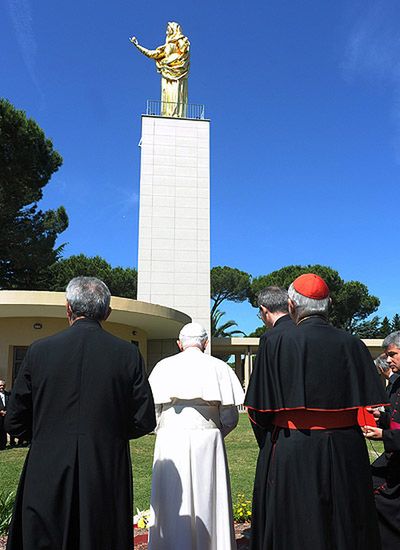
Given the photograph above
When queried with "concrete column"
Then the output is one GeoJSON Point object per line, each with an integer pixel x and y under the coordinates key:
{"type": "Point", "coordinates": [174, 215]}
{"type": "Point", "coordinates": [238, 366]}
{"type": "Point", "coordinates": [248, 367]}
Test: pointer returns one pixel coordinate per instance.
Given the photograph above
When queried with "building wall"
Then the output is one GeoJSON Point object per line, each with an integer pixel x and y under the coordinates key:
{"type": "Point", "coordinates": [159, 349]}
{"type": "Point", "coordinates": [174, 216]}
{"type": "Point", "coordinates": [20, 332]}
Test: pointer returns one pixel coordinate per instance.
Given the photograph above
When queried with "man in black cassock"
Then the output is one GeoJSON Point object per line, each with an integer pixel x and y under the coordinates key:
{"type": "Point", "coordinates": [386, 468]}
{"type": "Point", "coordinates": [274, 312]}
{"type": "Point", "coordinates": [313, 483]}
{"type": "Point", "coordinates": [273, 309]}
{"type": "Point", "coordinates": [80, 395]}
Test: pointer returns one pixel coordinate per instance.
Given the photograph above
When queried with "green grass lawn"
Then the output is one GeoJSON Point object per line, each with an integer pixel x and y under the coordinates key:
{"type": "Point", "coordinates": [240, 444]}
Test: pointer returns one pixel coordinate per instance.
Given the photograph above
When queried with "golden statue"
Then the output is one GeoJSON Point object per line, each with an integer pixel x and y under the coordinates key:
{"type": "Point", "coordinates": [172, 61]}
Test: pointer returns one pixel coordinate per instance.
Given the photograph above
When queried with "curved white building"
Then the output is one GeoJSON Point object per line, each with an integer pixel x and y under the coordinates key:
{"type": "Point", "coordinates": [26, 316]}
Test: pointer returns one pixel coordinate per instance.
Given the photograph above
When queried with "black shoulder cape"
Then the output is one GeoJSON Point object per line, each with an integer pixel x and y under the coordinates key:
{"type": "Point", "coordinates": [312, 366]}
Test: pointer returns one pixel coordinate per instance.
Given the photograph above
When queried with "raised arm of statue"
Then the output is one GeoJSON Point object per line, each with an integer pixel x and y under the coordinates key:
{"type": "Point", "coordinates": [158, 53]}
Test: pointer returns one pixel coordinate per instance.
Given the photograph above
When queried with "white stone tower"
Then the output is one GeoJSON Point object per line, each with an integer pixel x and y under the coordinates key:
{"type": "Point", "coordinates": [174, 215]}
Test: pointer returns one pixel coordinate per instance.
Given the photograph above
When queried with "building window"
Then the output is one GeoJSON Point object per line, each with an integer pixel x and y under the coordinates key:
{"type": "Point", "coordinates": [19, 353]}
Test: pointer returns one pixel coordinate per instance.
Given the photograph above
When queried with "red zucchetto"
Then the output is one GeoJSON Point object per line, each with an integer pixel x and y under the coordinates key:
{"type": "Point", "coordinates": [311, 286]}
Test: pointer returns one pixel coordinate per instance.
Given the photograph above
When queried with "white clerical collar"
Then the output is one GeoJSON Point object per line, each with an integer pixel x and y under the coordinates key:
{"type": "Point", "coordinates": [193, 348]}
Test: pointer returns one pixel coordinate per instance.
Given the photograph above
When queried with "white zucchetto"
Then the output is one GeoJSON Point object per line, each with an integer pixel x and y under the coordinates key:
{"type": "Point", "coordinates": [193, 330]}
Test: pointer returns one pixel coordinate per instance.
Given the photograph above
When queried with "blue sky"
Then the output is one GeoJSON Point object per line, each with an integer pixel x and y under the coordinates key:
{"type": "Point", "coordinates": [304, 102]}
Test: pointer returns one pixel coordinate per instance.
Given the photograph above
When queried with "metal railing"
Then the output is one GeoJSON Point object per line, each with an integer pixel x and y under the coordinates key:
{"type": "Point", "coordinates": [175, 110]}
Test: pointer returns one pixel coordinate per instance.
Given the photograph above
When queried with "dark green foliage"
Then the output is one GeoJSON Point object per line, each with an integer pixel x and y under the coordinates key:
{"type": "Point", "coordinates": [351, 301]}
{"type": "Point", "coordinates": [352, 304]}
{"type": "Point", "coordinates": [395, 323]}
{"type": "Point", "coordinates": [27, 248]}
{"type": "Point", "coordinates": [120, 281]}
{"type": "Point", "coordinates": [27, 159]}
{"type": "Point", "coordinates": [375, 328]}
{"type": "Point", "coordinates": [258, 332]}
{"type": "Point", "coordinates": [27, 234]}
{"type": "Point", "coordinates": [285, 276]}
{"type": "Point", "coordinates": [369, 329]}
{"type": "Point", "coordinates": [228, 283]}
{"type": "Point", "coordinates": [385, 328]}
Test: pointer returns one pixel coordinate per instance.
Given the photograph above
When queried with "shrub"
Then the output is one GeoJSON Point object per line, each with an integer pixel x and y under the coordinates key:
{"type": "Point", "coordinates": [7, 499]}
{"type": "Point", "coordinates": [242, 509]}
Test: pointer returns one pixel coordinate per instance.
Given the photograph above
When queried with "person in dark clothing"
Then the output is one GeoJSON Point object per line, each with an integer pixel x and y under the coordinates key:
{"type": "Point", "coordinates": [274, 313]}
{"type": "Point", "coordinates": [386, 371]}
{"type": "Point", "coordinates": [79, 396]}
{"type": "Point", "coordinates": [313, 486]}
{"type": "Point", "coordinates": [3, 408]}
{"type": "Point", "coordinates": [386, 468]}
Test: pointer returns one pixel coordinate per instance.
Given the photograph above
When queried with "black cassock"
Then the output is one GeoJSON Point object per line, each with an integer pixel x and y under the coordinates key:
{"type": "Point", "coordinates": [79, 396]}
{"type": "Point", "coordinates": [386, 473]}
{"type": "Point", "coordinates": [313, 488]}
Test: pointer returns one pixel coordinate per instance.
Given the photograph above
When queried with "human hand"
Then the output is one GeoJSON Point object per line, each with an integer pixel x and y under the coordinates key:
{"type": "Point", "coordinates": [372, 432]}
{"type": "Point", "coordinates": [2, 413]}
{"type": "Point", "coordinates": [134, 40]}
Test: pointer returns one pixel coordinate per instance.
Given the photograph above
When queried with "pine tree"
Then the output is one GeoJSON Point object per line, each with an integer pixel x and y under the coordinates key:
{"type": "Point", "coordinates": [385, 328]}
{"type": "Point", "coordinates": [396, 322]}
{"type": "Point", "coordinates": [27, 234]}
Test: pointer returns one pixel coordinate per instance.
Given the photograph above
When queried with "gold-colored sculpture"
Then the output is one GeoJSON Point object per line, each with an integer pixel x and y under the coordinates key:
{"type": "Point", "coordinates": [172, 61]}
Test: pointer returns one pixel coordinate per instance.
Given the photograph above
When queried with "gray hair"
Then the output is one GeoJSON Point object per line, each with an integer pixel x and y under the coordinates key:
{"type": "Point", "coordinates": [193, 341]}
{"type": "Point", "coordinates": [88, 297]}
{"type": "Point", "coordinates": [393, 339]}
{"type": "Point", "coordinates": [193, 335]}
{"type": "Point", "coordinates": [381, 363]}
{"type": "Point", "coordinates": [274, 298]}
{"type": "Point", "coordinates": [308, 306]}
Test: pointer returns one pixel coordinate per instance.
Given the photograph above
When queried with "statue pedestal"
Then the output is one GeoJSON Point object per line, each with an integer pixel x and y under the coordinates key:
{"type": "Point", "coordinates": [174, 216]}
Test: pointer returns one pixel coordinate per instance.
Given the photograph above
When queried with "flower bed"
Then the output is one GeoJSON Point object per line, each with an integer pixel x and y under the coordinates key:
{"type": "Point", "coordinates": [242, 531]}
{"type": "Point", "coordinates": [242, 534]}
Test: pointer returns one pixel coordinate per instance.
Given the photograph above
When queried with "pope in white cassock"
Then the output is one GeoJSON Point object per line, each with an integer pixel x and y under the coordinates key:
{"type": "Point", "coordinates": [196, 398]}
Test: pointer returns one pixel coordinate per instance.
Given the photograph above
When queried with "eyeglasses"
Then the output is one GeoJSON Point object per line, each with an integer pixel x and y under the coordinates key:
{"type": "Point", "coordinates": [260, 315]}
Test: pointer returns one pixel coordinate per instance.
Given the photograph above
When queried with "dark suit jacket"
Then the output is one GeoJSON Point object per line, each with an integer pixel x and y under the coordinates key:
{"type": "Point", "coordinates": [4, 407]}
{"type": "Point", "coordinates": [3, 433]}
{"type": "Point", "coordinates": [80, 396]}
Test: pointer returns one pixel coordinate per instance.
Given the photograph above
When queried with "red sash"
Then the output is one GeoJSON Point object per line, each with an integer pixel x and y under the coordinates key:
{"type": "Point", "coordinates": [304, 419]}
{"type": "Point", "coordinates": [365, 418]}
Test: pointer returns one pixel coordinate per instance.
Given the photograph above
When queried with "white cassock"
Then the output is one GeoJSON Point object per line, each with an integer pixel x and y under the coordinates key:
{"type": "Point", "coordinates": [196, 399]}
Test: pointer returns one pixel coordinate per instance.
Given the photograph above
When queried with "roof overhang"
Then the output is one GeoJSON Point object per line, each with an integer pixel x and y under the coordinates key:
{"type": "Point", "coordinates": [157, 321]}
